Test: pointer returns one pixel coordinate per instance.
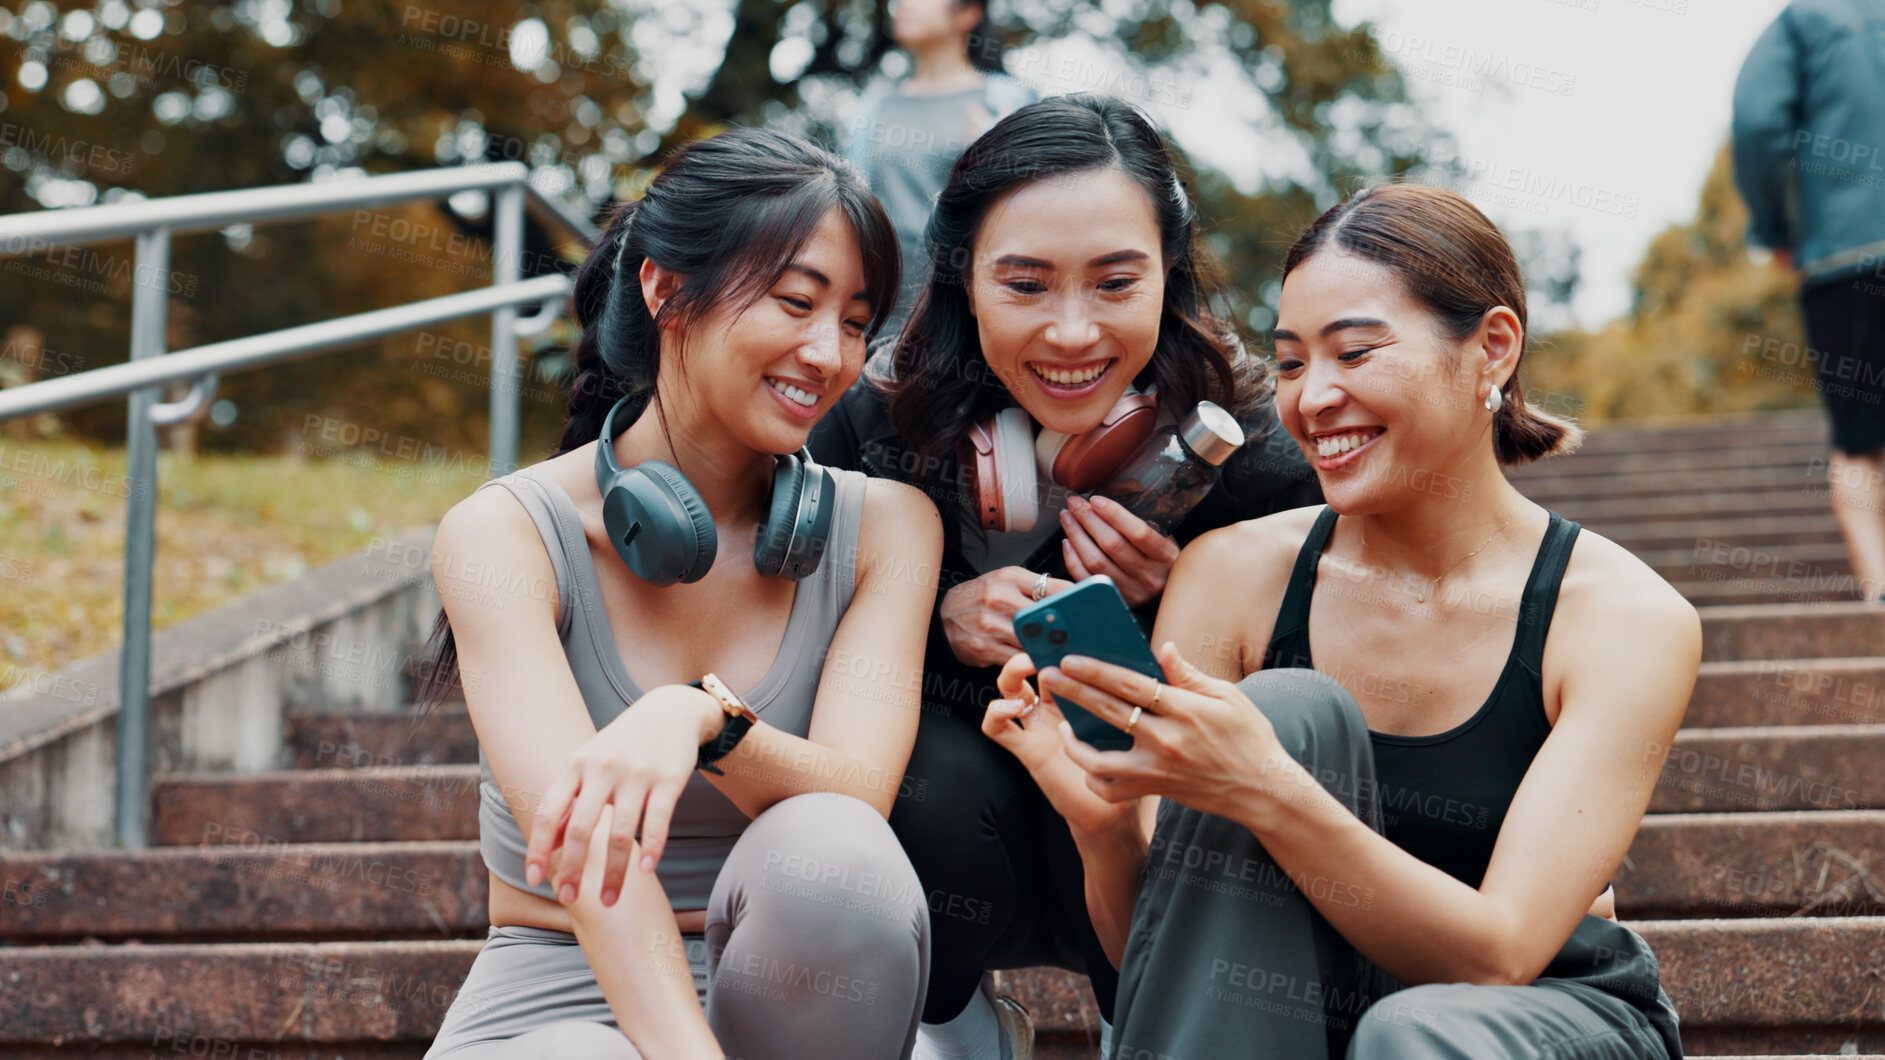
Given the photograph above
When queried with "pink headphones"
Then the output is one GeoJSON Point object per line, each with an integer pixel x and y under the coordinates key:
{"type": "Point", "coordinates": [1003, 457]}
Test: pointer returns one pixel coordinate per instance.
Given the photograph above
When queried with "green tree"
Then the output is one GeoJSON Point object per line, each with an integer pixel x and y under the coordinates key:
{"type": "Point", "coordinates": [107, 98]}
{"type": "Point", "coordinates": [1709, 331]}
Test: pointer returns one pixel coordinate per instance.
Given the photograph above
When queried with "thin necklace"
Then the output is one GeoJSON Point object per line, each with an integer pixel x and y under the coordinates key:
{"type": "Point", "coordinates": [1420, 597]}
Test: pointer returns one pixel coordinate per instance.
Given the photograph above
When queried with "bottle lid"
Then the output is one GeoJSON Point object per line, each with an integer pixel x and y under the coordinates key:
{"type": "Point", "coordinates": [1211, 433]}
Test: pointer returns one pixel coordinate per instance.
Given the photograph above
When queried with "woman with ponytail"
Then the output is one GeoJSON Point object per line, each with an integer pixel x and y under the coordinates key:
{"type": "Point", "coordinates": [1397, 846]}
{"type": "Point", "coordinates": [685, 785]}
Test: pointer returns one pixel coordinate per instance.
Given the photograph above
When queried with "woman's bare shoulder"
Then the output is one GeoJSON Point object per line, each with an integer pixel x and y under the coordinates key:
{"type": "Point", "coordinates": [1255, 551]}
{"type": "Point", "coordinates": [1229, 582]}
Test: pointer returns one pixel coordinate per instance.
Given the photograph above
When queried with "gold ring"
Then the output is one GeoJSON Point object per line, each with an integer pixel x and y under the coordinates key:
{"type": "Point", "coordinates": [1133, 719]}
{"type": "Point", "coordinates": [1156, 689]}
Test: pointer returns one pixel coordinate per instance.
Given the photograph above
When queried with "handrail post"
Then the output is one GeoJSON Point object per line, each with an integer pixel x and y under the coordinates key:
{"type": "Point", "coordinates": [150, 307]}
{"type": "Point", "coordinates": [506, 267]}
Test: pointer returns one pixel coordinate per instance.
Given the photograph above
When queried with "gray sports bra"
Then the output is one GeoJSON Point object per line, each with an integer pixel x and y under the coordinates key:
{"type": "Point", "coordinates": [706, 823]}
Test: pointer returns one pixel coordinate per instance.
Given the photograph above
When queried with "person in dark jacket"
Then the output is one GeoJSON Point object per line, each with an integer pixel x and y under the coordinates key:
{"type": "Point", "coordinates": [1809, 159]}
{"type": "Point", "coordinates": [1065, 277]}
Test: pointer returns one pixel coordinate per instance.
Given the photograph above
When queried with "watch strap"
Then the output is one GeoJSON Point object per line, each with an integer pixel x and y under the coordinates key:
{"type": "Point", "coordinates": [739, 720]}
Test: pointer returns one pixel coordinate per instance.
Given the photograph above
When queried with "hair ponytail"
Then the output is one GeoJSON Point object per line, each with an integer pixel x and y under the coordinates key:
{"type": "Point", "coordinates": [1522, 433]}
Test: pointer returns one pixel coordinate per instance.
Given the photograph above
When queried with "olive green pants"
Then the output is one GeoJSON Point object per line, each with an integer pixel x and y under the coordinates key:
{"type": "Point", "coordinates": [1227, 957]}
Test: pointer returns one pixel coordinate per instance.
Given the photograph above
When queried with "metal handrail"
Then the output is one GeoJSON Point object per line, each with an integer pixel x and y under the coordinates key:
{"type": "Point", "coordinates": [152, 223]}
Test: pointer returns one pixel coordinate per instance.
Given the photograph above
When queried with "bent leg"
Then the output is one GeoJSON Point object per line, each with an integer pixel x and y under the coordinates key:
{"type": "Point", "coordinates": [1226, 956]}
{"type": "Point", "coordinates": [969, 817]}
{"type": "Point", "coordinates": [818, 936]}
{"type": "Point", "coordinates": [1558, 1019]}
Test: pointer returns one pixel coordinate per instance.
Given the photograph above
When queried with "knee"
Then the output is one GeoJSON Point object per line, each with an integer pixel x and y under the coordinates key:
{"type": "Point", "coordinates": [837, 853]}
{"type": "Point", "coordinates": [1313, 715]}
{"type": "Point", "coordinates": [1411, 1023]}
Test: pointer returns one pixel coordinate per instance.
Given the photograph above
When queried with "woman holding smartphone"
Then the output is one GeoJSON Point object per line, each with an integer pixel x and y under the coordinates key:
{"type": "Point", "coordinates": [675, 818]}
{"type": "Point", "coordinates": [1068, 298]}
{"type": "Point", "coordinates": [1396, 853]}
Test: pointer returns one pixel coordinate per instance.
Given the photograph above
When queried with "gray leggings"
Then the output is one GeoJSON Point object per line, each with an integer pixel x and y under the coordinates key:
{"type": "Point", "coordinates": [1227, 958]}
{"type": "Point", "coordinates": [817, 938]}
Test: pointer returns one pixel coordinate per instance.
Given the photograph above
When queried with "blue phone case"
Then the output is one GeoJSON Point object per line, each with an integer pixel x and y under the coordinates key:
{"type": "Point", "coordinates": [1089, 619]}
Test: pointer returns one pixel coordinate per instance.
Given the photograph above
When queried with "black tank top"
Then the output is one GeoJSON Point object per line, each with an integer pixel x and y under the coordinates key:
{"type": "Point", "coordinates": [1444, 797]}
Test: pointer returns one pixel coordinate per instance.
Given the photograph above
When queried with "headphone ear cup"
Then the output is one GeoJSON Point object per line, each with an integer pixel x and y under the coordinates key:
{"type": "Point", "coordinates": [798, 521]}
{"type": "Point", "coordinates": [659, 525]}
{"type": "Point", "coordinates": [775, 534]}
{"type": "Point", "coordinates": [1014, 467]}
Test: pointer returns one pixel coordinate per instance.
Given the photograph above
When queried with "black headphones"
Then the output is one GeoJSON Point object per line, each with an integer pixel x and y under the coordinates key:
{"type": "Point", "coordinates": [663, 531]}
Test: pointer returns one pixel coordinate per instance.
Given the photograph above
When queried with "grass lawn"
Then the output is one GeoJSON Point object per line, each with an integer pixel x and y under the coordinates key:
{"type": "Point", "coordinates": [226, 526]}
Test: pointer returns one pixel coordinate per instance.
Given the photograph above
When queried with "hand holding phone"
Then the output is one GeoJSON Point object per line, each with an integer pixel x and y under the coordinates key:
{"type": "Point", "coordinates": [1089, 619]}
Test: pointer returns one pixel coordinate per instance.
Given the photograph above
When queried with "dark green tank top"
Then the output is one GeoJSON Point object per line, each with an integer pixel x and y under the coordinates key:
{"type": "Point", "coordinates": [1444, 797]}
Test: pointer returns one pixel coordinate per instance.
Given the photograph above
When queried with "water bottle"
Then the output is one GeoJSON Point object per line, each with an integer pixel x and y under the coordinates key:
{"type": "Point", "coordinates": [1172, 470]}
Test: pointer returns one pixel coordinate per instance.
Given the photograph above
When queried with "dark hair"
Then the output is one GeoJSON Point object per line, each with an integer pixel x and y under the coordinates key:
{"type": "Point", "coordinates": [1458, 266]}
{"type": "Point", "coordinates": [727, 214]}
{"type": "Point", "coordinates": [986, 42]}
{"type": "Point", "coordinates": [939, 391]}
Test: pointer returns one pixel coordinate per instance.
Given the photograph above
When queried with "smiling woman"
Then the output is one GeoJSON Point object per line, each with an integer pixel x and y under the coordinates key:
{"type": "Point", "coordinates": [1397, 845]}
{"type": "Point", "coordinates": [1066, 317]}
{"type": "Point", "coordinates": [670, 730]}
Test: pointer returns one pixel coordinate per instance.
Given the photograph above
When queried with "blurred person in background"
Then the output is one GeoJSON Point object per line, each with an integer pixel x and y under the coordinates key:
{"type": "Point", "coordinates": [1809, 159]}
{"type": "Point", "coordinates": [906, 134]}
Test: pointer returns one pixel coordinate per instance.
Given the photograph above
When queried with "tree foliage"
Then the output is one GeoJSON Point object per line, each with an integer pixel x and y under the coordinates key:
{"type": "Point", "coordinates": [107, 99]}
{"type": "Point", "coordinates": [1709, 331]}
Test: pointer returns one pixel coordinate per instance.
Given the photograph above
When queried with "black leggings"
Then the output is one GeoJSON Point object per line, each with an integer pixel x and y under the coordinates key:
{"type": "Point", "coordinates": [1004, 880]}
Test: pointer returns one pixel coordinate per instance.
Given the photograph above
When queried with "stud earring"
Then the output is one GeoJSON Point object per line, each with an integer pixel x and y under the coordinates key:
{"type": "Point", "coordinates": [1494, 398]}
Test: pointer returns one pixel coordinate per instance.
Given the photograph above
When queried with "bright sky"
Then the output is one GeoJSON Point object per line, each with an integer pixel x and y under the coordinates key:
{"type": "Point", "coordinates": [1641, 105]}
{"type": "Point", "coordinates": [1597, 119]}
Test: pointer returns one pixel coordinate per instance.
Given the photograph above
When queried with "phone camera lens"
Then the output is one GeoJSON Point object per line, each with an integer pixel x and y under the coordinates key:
{"type": "Point", "coordinates": [1057, 637]}
{"type": "Point", "coordinates": [1031, 630]}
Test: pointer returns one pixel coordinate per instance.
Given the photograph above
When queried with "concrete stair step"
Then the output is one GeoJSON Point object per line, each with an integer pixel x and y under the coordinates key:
{"type": "Point", "coordinates": [1674, 462]}
{"type": "Point", "coordinates": [1610, 512]}
{"type": "Point", "coordinates": [231, 997]}
{"type": "Point", "coordinates": [1777, 986]}
{"type": "Point", "coordinates": [1792, 631]}
{"type": "Point", "coordinates": [1811, 567]}
{"type": "Point", "coordinates": [363, 741]}
{"type": "Point", "coordinates": [1814, 863]}
{"type": "Point", "coordinates": [1769, 591]}
{"type": "Point", "coordinates": [249, 887]}
{"type": "Point", "coordinates": [1700, 536]}
{"type": "Point", "coordinates": [1767, 428]}
{"type": "Point", "coordinates": [1772, 692]}
{"type": "Point", "coordinates": [317, 805]}
{"type": "Point", "coordinates": [1807, 767]}
{"type": "Point", "coordinates": [1564, 489]}
{"type": "Point", "coordinates": [1708, 770]}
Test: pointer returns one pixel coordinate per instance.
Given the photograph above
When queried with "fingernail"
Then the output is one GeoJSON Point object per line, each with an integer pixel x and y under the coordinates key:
{"type": "Point", "coordinates": [647, 863]}
{"type": "Point", "coordinates": [608, 897]}
{"type": "Point", "coordinates": [1076, 502]}
{"type": "Point", "coordinates": [568, 893]}
{"type": "Point", "coordinates": [1066, 519]}
{"type": "Point", "coordinates": [533, 874]}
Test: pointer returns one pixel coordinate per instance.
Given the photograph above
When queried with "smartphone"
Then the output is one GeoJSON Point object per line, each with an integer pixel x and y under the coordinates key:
{"type": "Point", "coordinates": [1089, 619]}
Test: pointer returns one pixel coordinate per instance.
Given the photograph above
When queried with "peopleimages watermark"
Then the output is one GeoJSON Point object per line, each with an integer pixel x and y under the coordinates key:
{"type": "Point", "coordinates": [93, 157]}
{"type": "Point", "coordinates": [1470, 64]}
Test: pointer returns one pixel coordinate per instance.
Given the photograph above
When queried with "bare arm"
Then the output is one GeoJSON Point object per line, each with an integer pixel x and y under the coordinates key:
{"type": "Point", "coordinates": [870, 691]}
{"type": "Point", "coordinates": [511, 656]}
